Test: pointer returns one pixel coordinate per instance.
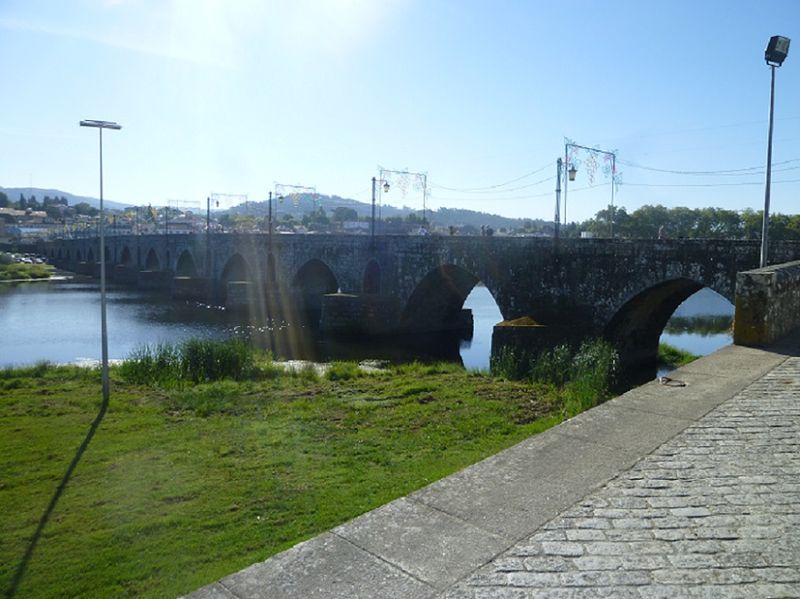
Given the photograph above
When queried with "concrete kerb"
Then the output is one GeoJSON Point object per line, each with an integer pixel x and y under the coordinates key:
{"type": "Point", "coordinates": [422, 544]}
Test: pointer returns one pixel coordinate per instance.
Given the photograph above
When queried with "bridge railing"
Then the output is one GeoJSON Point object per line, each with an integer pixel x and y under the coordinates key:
{"type": "Point", "coordinates": [767, 304]}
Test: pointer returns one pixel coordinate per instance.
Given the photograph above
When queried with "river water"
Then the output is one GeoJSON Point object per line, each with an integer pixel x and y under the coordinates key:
{"type": "Point", "coordinates": [59, 321]}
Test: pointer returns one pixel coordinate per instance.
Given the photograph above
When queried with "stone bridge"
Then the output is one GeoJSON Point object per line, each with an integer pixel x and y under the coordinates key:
{"type": "Point", "coordinates": [625, 290]}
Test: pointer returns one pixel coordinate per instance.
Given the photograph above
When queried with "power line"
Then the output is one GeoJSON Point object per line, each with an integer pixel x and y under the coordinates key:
{"type": "Point", "coordinates": [490, 187]}
{"type": "Point", "coordinates": [738, 171]}
{"type": "Point", "coordinates": [510, 189]}
{"type": "Point", "coordinates": [740, 183]}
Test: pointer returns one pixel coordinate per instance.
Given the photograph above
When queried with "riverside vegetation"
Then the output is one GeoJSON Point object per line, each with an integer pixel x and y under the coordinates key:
{"type": "Point", "coordinates": [13, 271]}
{"type": "Point", "coordinates": [211, 456]}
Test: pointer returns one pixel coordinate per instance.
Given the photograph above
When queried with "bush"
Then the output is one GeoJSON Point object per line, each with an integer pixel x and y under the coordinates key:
{"type": "Point", "coordinates": [208, 360]}
{"type": "Point", "coordinates": [587, 375]}
{"type": "Point", "coordinates": [194, 360]}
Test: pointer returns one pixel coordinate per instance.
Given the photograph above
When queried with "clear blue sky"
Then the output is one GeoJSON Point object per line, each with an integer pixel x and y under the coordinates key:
{"type": "Point", "coordinates": [234, 96]}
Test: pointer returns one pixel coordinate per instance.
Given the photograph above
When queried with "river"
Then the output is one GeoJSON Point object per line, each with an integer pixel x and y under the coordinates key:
{"type": "Point", "coordinates": [59, 321]}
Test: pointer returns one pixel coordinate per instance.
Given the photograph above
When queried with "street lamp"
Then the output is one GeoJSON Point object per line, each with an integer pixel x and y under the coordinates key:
{"type": "Point", "coordinates": [775, 54]}
{"type": "Point", "coordinates": [100, 125]}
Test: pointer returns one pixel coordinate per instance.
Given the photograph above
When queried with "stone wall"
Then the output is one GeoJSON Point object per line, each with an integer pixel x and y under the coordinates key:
{"type": "Point", "coordinates": [767, 304]}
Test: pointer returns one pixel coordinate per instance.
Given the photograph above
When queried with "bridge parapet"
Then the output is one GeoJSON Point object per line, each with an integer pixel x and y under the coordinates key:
{"type": "Point", "coordinates": [767, 304]}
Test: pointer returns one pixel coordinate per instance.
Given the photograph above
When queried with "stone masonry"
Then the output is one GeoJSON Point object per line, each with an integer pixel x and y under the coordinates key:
{"type": "Point", "coordinates": [714, 512]}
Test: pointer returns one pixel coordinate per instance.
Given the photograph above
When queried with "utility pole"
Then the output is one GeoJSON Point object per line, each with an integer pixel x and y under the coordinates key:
{"type": "Point", "coordinates": [557, 216]}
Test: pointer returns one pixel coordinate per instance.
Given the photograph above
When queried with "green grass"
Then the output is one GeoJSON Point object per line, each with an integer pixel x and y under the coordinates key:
{"type": "Point", "coordinates": [669, 355]}
{"type": "Point", "coordinates": [184, 484]}
{"type": "Point", "coordinates": [25, 272]}
{"type": "Point", "coordinates": [585, 375]}
{"type": "Point", "coordinates": [193, 361]}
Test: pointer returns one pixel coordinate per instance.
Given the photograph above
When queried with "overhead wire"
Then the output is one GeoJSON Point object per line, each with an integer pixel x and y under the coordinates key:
{"type": "Point", "coordinates": [739, 183]}
{"type": "Point", "coordinates": [737, 171]}
{"type": "Point", "coordinates": [494, 191]}
{"type": "Point", "coordinates": [497, 185]}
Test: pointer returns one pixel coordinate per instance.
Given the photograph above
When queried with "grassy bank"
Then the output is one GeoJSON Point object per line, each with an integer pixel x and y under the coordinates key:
{"type": "Point", "coordinates": [187, 480]}
{"type": "Point", "coordinates": [24, 272]}
{"type": "Point", "coordinates": [12, 271]}
{"type": "Point", "coordinates": [672, 357]}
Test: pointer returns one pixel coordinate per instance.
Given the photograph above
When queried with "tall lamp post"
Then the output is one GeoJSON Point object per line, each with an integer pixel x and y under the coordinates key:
{"type": "Point", "coordinates": [775, 54]}
{"type": "Point", "coordinates": [100, 125]}
{"type": "Point", "coordinates": [572, 171]}
{"type": "Point", "coordinates": [385, 189]}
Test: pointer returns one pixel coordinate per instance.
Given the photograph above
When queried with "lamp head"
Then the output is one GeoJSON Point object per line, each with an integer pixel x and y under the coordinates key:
{"type": "Point", "coordinates": [777, 50]}
{"type": "Point", "coordinates": [572, 172]}
{"type": "Point", "coordinates": [386, 186]}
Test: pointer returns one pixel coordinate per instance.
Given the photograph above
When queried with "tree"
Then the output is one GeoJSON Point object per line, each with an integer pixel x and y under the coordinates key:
{"type": "Point", "coordinates": [343, 213]}
{"type": "Point", "coordinates": [53, 211]}
{"type": "Point", "coordinates": [85, 208]}
{"type": "Point", "coordinates": [23, 203]}
{"type": "Point", "coordinates": [3, 200]}
{"type": "Point", "coordinates": [316, 219]}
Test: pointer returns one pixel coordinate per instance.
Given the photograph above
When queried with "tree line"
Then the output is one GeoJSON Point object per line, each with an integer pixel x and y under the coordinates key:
{"type": "Point", "coordinates": [693, 223]}
{"type": "Point", "coordinates": [55, 206]}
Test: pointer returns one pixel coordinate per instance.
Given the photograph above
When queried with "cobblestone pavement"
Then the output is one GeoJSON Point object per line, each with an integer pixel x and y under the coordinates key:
{"type": "Point", "coordinates": [714, 512]}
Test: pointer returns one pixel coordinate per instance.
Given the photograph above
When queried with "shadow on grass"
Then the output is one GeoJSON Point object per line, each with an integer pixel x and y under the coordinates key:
{"type": "Point", "coordinates": [23, 565]}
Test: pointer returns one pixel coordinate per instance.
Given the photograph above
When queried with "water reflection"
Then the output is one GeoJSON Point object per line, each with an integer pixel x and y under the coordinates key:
{"type": "Point", "coordinates": [59, 321]}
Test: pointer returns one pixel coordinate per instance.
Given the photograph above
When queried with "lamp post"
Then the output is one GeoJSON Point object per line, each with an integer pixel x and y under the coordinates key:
{"type": "Point", "coordinates": [100, 125]}
{"type": "Point", "coordinates": [557, 216]}
{"type": "Point", "coordinates": [386, 187]}
{"type": "Point", "coordinates": [774, 55]}
{"type": "Point", "coordinates": [572, 172]}
{"type": "Point", "coordinates": [269, 215]}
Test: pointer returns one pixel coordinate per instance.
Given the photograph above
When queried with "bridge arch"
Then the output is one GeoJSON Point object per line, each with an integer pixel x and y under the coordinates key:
{"type": "Point", "coordinates": [236, 269]}
{"type": "Point", "coordinates": [372, 278]}
{"type": "Point", "coordinates": [636, 327]}
{"type": "Point", "coordinates": [438, 298]}
{"type": "Point", "coordinates": [152, 262]}
{"type": "Point", "coordinates": [186, 266]}
{"type": "Point", "coordinates": [311, 282]}
{"type": "Point", "coordinates": [125, 258]}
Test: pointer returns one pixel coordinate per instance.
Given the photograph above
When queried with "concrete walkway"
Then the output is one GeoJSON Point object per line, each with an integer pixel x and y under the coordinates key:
{"type": "Point", "coordinates": [666, 491]}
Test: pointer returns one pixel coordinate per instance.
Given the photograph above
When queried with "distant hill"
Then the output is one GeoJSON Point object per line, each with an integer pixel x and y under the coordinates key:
{"type": "Point", "coordinates": [13, 194]}
{"type": "Point", "coordinates": [443, 217]}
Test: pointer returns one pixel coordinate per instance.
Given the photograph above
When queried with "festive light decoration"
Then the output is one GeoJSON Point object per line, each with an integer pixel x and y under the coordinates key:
{"type": "Point", "coordinates": [404, 180]}
{"type": "Point", "coordinates": [295, 193]}
{"type": "Point", "coordinates": [606, 163]}
{"type": "Point", "coordinates": [591, 165]}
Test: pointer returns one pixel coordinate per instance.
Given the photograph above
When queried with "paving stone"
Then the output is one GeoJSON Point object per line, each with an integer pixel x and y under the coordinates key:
{"type": "Point", "coordinates": [718, 508]}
